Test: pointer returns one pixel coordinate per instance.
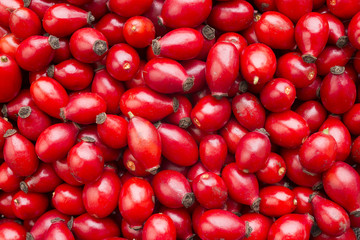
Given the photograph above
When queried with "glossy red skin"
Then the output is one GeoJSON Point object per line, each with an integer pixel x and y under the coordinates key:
{"type": "Point", "coordinates": [24, 22]}
{"type": "Point", "coordinates": [311, 33]}
{"type": "Point", "coordinates": [11, 78]}
{"type": "Point", "coordinates": [181, 117]}
{"type": "Point", "coordinates": [97, 7]}
{"type": "Point", "coordinates": [275, 30]}
{"type": "Point", "coordinates": [29, 205]}
{"type": "Point", "coordinates": [170, 188]}
{"type": "Point", "coordinates": [257, 63]}
{"type": "Point", "coordinates": [182, 221]}
{"type": "Point", "coordinates": [9, 44]}
{"type": "Point", "coordinates": [210, 190]}
{"type": "Point", "coordinates": [331, 218]}
{"type": "Point", "coordinates": [291, 226]}
{"type": "Point", "coordinates": [355, 153]}
{"type": "Point", "coordinates": [113, 132]}
{"type": "Point", "coordinates": [343, 8]}
{"type": "Point", "coordinates": [67, 199]}
{"type": "Point", "coordinates": [278, 95]}
{"type": "Point", "coordinates": [302, 195]}
{"type": "Point", "coordinates": [353, 31]}
{"type": "Point", "coordinates": [209, 37]}
{"type": "Point", "coordinates": [5, 204]}
{"type": "Point", "coordinates": [19, 154]}
{"type": "Point", "coordinates": [231, 16]}
{"type": "Point", "coordinates": [78, 2]}
{"type": "Point", "coordinates": [101, 196]}
{"type": "Point", "coordinates": [165, 75]}
{"type": "Point", "coordinates": [4, 31]}
{"type": "Point", "coordinates": [122, 62]}
{"type": "Point", "coordinates": [252, 152]}
{"type": "Point", "coordinates": [111, 25]}
{"type": "Point", "coordinates": [168, 165]}
{"type": "Point", "coordinates": [195, 170]}
{"type": "Point", "coordinates": [222, 68]}
{"type": "Point", "coordinates": [40, 6]}
{"type": "Point", "coordinates": [109, 89]}
{"type": "Point", "coordinates": [84, 107]}
{"type": "Point", "coordinates": [62, 170]}
{"type": "Point", "coordinates": [43, 223]}
{"type": "Point", "coordinates": [138, 79]}
{"type": "Point", "coordinates": [180, 44]}
{"type": "Point", "coordinates": [177, 145]}
{"type": "Point", "coordinates": [146, 103]}
{"type": "Point", "coordinates": [136, 201]}
{"type": "Point", "coordinates": [87, 227]}
{"type": "Point", "coordinates": [33, 76]}
{"type": "Point", "coordinates": [196, 69]}
{"type": "Point", "coordinates": [32, 126]}
{"type": "Point", "coordinates": [159, 226]}
{"type": "Point", "coordinates": [311, 92]}
{"type": "Point", "coordinates": [348, 235]}
{"type": "Point", "coordinates": [12, 231]}
{"type": "Point", "coordinates": [34, 53]}
{"type": "Point", "coordinates": [273, 171]}
{"type": "Point", "coordinates": [294, 170]}
{"type": "Point", "coordinates": [132, 165]}
{"type": "Point", "coordinates": [318, 152]}
{"type": "Point", "coordinates": [333, 56]}
{"type": "Point", "coordinates": [341, 183]}
{"type": "Point", "coordinates": [313, 113]}
{"type": "Point", "coordinates": [139, 31]}
{"type": "Point", "coordinates": [49, 96]}
{"type": "Point", "coordinates": [86, 161]}
{"type": "Point", "coordinates": [277, 201]}
{"type": "Point", "coordinates": [350, 119]}
{"type": "Point", "coordinates": [63, 52]}
{"type": "Point", "coordinates": [336, 29]}
{"type": "Point", "coordinates": [338, 87]}
{"type": "Point", "coordinates": [9, 182]}
{"type": "Point", "coordinates": [73, 75]}
{"type": "Point", "coordinates": [213, 152]}
{"type": "Point", "coordinates": [188, 13]}
{"type": "Point", "coordinates": [129, 8]}
{"type": "Point", "coordinates": [291, 66]}
{"type": "Point", "coordinates": [44, 180]}
{"type": "Point", "coordinates": [82, 43]}
{"type": "Point", "coordinates": [59, 231]}
{"type": "Point", "coordinates": [232, 132]}
{"type": "Point", "coordinates": [55, 141]}
{"type": "Point", "coordinates": [6, 7]}
{"type": "Point", "coordinates": [217, 223]}
{"type": "Point", "coordinates": [210, 114]}
{"type": "Point", "coordinates": [4, 126]}
{"type": "Point", "coordinates": [259, 224]}
{"type": "Point", "coordinates": [129, 232]}
{"type": "Point", "coordinates": [265, 5]}
{"type": "Point", "coordinates": [287, 129]}
{"type": "Point", "coordinates": [242, 187]}
{"type": "Point", "coordinates": [144, 142]}
{"type": "Point", "coordinates": [236, 39]}
{"type": "Point", "coordinates": [109, 154]}
{"type": "Point", "coordinates": [195, 98]}
{"type": "Point", "coordinates": [294, 9]}
{"type": "Point", "coordinates": [152, 13]}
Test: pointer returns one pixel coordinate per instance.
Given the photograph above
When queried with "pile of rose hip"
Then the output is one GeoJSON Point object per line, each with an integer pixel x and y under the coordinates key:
{"type": "Point", "coordinates": [179, 119]}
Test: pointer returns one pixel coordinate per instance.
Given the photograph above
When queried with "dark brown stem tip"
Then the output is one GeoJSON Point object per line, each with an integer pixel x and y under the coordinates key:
{"type": "Point", "coordinates": [26, 3]}
{"type": "Point", "coordinates": [337, 70]}
{"type": "Point", "coordinates": [308, 58]}
{"type": "Point", "coordinates": [55, 220]}
{"type": "Point", "coordinates": [153, 170]}
{"type": "Point", "coordinates": [342, 41]}
{"type": "Point", "coordinates": [256, 205]}
{"type": "Point", "coordinates": [311, 197]}
{"type": "Point", "coordinates": [62, 114]}
{"type": "Point", "coordinates": [155, 46]}
{"type": "Point", "coordinates": [70, 223]}
{"type": "Point", "coordinates": [243, 87]}
{"type": "Point", "coordinates": [88, 139]}
{"type": "Point", "coordinates": [188, 199]}
{"type": "Point", "coordinates": [175, 104]}
{"type": "Point", "coordinates": [24, 187]}
{"type": "Point", "coordinates": [315, 230]}
{"type": "Point", "coordinates": [355, 213]}
{"type": "Point", "coordinates": [54, 42]}
{"type": "Point", "coordinates": [100, 47]}
{"type": "Point", "coordinates": [185, 122]}
{"type": "Point", "coordinates": [188, 84]}
{"type": "Point", "coordinates": [263, 131]}
{"type": "Point", "coordinates": [101, 118]}
{"type": "Point", "coordinates": [4, 110]}
{"type": "Point", "coordinates": [318, 186]}
{"type": "Point", "coordinates": [160, 21]}
{"type": "Point", "coordinates": [136, 228]}
{"type": "Point", "coordinates": [357, 232]}
{"type": "Point", "coordinates": [157, 124]}
{"type": "Point", "coordinates": [208, 32]}
{"type": "Point", "coordinates": [248, 229]}
{"type": "Point", "coordinates": [192, 237]}
{"type": "Point", "coordinates": [24, 112]}
{"type": "Point", "coordinates": [90, 18]}
{"type": "Point", "coordinates": [29, 236]}
{"type": "Point", "coordinates": [4, 58]}
{"type": "Point", "coordinates": [308, 173]}
{"type": "Point", "coordinates": [219, 96]}
{"type": "Point", "coordinates": [51, 71]}
{"type": "Point", "coordinates": [9, 133]}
